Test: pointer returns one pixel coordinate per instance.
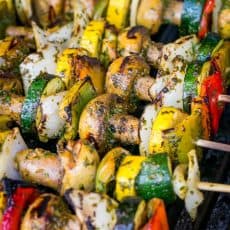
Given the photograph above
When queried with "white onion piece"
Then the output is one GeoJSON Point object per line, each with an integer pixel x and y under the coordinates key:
{"type": "Point", "coordinates": [174, 97]}
{"type": "Point", "coordinates": [179, 181]}
{"type": "Point", "coordinates": [33, 65]}
{"type": "Point", "coordinates": [49, 46]}
{"type": "Point", "coordinates": [157, 87]}
{"type": "Point", "coordinates": [51, 124]}
{"type": "Point", "coordinates": [81, 20]}
{"type": "Point", "coordinates": [193, 196]}
{"type": "Point", "coordinates": [12, 144]}
{"type": "Point", "coordinates": [24, 10]}
{"type": "Point", "coordinates": [133, 12]}
{"type": "Point", "coordinates": [59, 36]}
{"type": "Point", "coordinates": [183, 48]}
{"type": "Point", "coordinates": [168, 89]}
{"type": "Point", "coordinates": [215, 14]}
{"type": "Point", "coordinates": [96, 209]}
{"type": "Point", "coordinates": [146, 122]}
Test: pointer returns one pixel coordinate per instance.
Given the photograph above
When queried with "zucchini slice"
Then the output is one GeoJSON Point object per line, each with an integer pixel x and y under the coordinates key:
{"type": "Point", "coordinates": [190, 84]}
{"type": "Point", "coordinates": [207, 46]}
{"type": "Point", "coordinates": [191, 15]}
{"type": "Point", "coordinates": [92, 37]}
{"type": "Point", "coordinates": [154, 178]}
{"type": "Point", "coordinates": [117, 12]}
{"type": "Point", "coordinates": [126, 175]}
{"type": "Point", "coordinates": [131, 213]}
{"type": "Point", "coordinates": [72, 105]}
{"type": "Point", "coordinates": [107, 169]}
{"type": "Point", "coordinates": [37, 88]}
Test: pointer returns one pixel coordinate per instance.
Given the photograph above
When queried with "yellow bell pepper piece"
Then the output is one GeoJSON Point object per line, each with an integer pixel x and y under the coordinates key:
{"type": "Point", "coordinates": [203, 74]}
{"type": "Point", "coordinates": [65, 67]}
{"type": "Point", "coordinates": [165, 122]}
{"type": "Point", "coordinates": [2, 203]}
{"type": "Point", "coordinates": [117, 12]}
{"type": "Point", "coordinates": [150, 13]}
{"type": "Point", "coordinates": [5, 45]}
{"type": "Point", "coordinates": [92, 37]}
{"type": "Point", "coordinates": [126, 174]}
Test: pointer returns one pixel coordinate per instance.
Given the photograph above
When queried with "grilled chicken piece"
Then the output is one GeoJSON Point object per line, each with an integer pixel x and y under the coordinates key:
{"type": "Point", "coordinates": [49, 211]}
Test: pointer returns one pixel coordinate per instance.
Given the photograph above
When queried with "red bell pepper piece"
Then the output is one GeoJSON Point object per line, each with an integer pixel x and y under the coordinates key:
{"type": "Point", "coordinates": [204, 23]}
{"type": "Point", "coordinates": [19, 201]}
{"type": "Point", "coordinates": [159, 219]}
{"type": "Point", "coordinates": [211, 88]}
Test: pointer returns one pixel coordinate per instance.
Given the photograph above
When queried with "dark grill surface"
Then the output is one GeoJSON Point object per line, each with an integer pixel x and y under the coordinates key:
{"type": "Point", "coordinates": [214, 213]}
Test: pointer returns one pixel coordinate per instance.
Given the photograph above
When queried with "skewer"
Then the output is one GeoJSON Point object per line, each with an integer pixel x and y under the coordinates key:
{"type": "Point", "coordinates": [213, 145]}
{"type": "Point", "coordinates": [215, 187]}
{"type": "Point", "coordinates": [224, 98]}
